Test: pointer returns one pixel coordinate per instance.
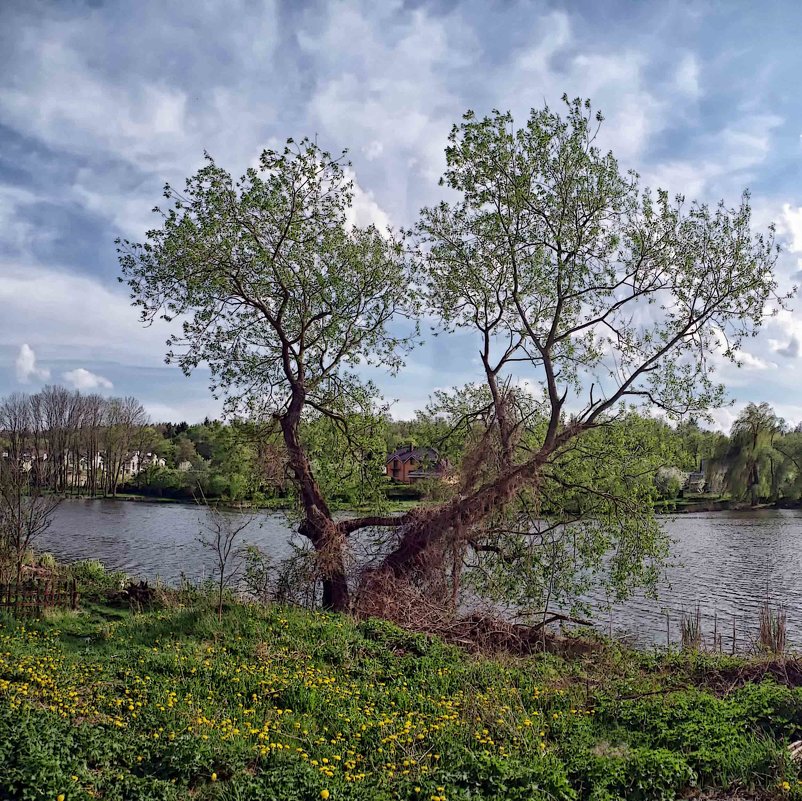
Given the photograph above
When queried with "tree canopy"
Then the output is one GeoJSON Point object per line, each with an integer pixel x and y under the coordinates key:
{"type": "Point", "coordinates": [585, 293]}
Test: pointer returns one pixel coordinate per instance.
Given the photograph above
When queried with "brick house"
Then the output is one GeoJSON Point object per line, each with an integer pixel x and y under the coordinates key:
{"type": "Point", "coordinates": [408, 464]}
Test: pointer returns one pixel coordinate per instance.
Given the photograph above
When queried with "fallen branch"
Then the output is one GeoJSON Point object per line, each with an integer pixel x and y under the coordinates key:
{"type": "Point", "coordinates": [567, 618]}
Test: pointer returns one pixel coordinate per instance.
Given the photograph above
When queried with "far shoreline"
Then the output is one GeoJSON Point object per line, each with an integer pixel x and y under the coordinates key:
{"type": "Point", "coordinates": [681, 506]}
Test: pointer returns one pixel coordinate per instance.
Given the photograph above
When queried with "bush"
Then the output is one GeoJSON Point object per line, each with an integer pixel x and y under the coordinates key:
{"type": "Point", "coordinates": [669, 481]}
{"type": "Point", "coordinates": [94, 581]}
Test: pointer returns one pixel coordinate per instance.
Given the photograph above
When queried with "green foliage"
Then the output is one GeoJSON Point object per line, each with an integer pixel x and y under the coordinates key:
{"type": "Point", "coordinates": [752, 461]}
{"type": "Point", "coordinates": [643, 774]}
{"type": "Point", "coordinates": [273, 253]}
{"type": "Point", "coordinates": [278, 703]}
{"type": "Point", "coordinates": [669, 481]}
{"type": "Point", "coordinates": [722, 739]}
{"type": "Point", "coordinates": [505, 263]}
{"type": "Point", "coordinates": [94, 582]}
{"type": "Point", "coordinates": [590, 523]}
{"type": "Point", "coordinates": [348, 455]}
{"type": "Point", "coordinates": [487, 777]}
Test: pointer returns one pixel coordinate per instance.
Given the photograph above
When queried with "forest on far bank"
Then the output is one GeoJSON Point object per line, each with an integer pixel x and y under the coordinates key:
{"type": "Point", "coordinates": [62, 433]}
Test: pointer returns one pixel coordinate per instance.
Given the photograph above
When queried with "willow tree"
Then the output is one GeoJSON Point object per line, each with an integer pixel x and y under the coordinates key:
{"type": "Point", "coordinates": [282, 297]}
{"type": "Point", "coordinates": [753, 460]}
{"type": "Point", "coordinates": [594, 292]}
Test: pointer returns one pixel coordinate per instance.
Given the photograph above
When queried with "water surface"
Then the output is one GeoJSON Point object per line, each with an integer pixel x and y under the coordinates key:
{"type": "Point", "coordinates": [151, 540]}
{"type": "Point", "coordinates": [728, 562]}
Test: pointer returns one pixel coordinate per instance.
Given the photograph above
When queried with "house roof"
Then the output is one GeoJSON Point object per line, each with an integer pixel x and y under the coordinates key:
{"type": "Point", "coordinates": [407, 452]}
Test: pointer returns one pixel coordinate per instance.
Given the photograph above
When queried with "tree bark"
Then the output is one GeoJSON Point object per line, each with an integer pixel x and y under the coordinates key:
{"type": "Point", "coordinates": [423, 529]}
{"type": "Point", "coordinates": [326, 536]}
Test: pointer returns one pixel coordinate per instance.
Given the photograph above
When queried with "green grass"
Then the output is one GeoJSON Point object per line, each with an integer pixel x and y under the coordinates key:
{"type": "Point", "coordinates": [283, 704]}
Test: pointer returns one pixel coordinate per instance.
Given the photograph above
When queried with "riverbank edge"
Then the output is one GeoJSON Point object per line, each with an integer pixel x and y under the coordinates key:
{"type": "Point", "coordinates": [279, 505]}
{"type": "Point", "coordinates": [686, 506]}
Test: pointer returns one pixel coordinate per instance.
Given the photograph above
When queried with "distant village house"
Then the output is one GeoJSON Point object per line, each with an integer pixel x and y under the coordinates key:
{"type": "Point", "coordinates": [408, 464]}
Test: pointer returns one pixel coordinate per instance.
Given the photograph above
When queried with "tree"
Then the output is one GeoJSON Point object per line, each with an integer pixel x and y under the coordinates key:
{"type": "Point", "coordinates": [221, 536]}
{"type": "Point", "coordinates": [698, 444]}
{"type": "Point", "coordinates": [597, 292]}
{"type": "Point", "coordinates": [282, 298]}
{"type": "Point", "coordinates": [125, 421]}
{"type": "Point", "coordinates": [185, 450]}
{"type": "Point", "coordinates": [669, 481]}
{"type": "Point", "coordinates": [790, 447]}
{"type": "Point", "coordinates": [752, 453]}
{"type": "Point", "coordinates": [594, 291]}
{"type": "Point", "coordinates": [26, 513]}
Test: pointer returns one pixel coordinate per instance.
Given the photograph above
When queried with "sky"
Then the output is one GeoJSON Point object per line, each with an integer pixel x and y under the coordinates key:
{"type": "Point", "coordinates": [103, 102]}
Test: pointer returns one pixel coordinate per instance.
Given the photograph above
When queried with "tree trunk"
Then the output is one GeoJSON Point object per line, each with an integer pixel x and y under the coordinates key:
{"type": "Point", "coordinates": [318, 525]}
{"type": "Point", "coordinates": [427, 528]}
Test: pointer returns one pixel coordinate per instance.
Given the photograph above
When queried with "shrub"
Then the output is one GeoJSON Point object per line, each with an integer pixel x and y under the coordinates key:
{"type": "Point", "coordinates": [94, 581]}
{"type": "Point", "coordinates": [669, 481]}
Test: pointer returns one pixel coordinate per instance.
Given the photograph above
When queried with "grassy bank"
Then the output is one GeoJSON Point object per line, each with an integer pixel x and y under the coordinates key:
{"type": "Point", "coordinates": [283, 704]}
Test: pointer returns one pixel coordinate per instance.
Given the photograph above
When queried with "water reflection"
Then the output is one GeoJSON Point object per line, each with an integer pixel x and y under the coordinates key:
{"type": "Point", "coordinates": [150, 540]}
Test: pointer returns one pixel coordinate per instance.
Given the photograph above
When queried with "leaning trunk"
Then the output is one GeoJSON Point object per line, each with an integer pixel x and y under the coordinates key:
{"type": "Point", "coordinates": [318, 525]}
{"type": "Point", "coordinates": [428, 528]}
{"type": "Point", "coordinates": [329, 545]}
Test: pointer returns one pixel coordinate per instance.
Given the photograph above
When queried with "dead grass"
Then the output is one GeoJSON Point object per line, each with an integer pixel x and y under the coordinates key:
{"type": "Point", "coordinates": [773, 629]}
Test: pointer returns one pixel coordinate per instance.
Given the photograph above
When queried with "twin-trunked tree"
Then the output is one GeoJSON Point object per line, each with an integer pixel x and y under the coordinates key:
{"type": "Point", "coordinates": [577, 284]}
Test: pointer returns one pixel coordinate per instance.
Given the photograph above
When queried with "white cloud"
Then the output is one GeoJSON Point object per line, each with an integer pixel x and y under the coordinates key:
{"type": "Point", "coordinates": [686, 78]}
{"type": "Point", "coordinates": [723, 164]}
{"type": "Point", "coordinates": [84, 379]}
{"type": "Point", "coordinates": [373, 150]}
{"type": "Point", "coordinates": [66, 102]}
{"type": "Point", "coordinates": [26, 366]}
{"type": "Point", "coordinates": [394, 95]}
{"type": "Point", "coordinates": [724, 418]}
{"type": "Point", "coordinates": [365, 210]}
{"type": "Point", "coordinates": [790, 350]}
{"type": "Point", "coordinates": [615, 81]}
{"type": "Point", "coordinates": [76, 317]}
{"type": "Point", "coordinates": [748, 142]}
{"type": "Point", "coordinates": [791, 226]}
{"type": "Point", "coordinates": [193, 411]}
{"type": "Point", "coordinates": [752, 362]}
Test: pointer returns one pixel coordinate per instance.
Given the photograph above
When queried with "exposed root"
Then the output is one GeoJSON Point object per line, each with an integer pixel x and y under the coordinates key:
{"type": "Point", "coordinates": [427, 607]}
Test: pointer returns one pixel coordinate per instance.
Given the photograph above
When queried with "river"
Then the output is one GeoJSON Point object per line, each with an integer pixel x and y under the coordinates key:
{"type": "Point", "coordinates": [728, 562]}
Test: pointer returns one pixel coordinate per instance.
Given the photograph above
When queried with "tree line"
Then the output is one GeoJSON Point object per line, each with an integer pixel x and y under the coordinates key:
{"type": "Point", "coordinates": [59, 434]}
{"type": "Point", "coordinates": [758, 461]}
{"type": "Point", "coordinates": [71, 442]}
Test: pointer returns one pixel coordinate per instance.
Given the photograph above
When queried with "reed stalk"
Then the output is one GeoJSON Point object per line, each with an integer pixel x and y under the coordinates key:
{"type": "Point", "coordinates": [690, 626]}
{"type": "Point", "coordinates": [773, 630]}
